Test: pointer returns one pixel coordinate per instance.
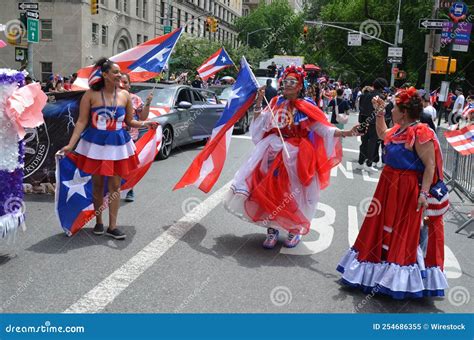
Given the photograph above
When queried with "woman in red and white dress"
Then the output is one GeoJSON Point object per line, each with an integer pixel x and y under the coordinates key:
{"type": "Point", "coordinates": [280, 191]}
{"type": "Point", "coordinates": [105, 148]}
{"type": "Point", "coordinates": [386, 256]}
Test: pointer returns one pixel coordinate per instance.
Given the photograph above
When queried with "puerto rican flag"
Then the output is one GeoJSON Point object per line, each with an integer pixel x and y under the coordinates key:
{"type": "Point", "coordinates": [207, 166]}
{"type": "Point", "coordinates": [468, 110]}
{"type": "Point", "coordinates": [462, 140]}
{"type": "Point", "coordinates": [216, 62]}
{"type": "Point", "coordinates": [142, 62]}
{"type": "Point", "coordinates": [73, 197]}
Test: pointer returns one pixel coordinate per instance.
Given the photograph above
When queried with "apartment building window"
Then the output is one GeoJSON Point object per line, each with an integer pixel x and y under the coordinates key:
{"type": "Point", "coordinates": [162, 11]}
{"type": "Point", "coordinates": [186, 20]}
{"type": "Point", "coordinates": [125, 6]}
{"type": "Point", "coordinates": [105, 35]}
{"type": "Point", "coordinates": [95, 34]}
{"type": "Point", "coordinates": [179, 17]}
{"type": "Point", "coordinates": [145, 9]}
{"type": "Point", "coordinates": [145, 38]}
{"type": "Point", "coordinates": [46, 71]}
{"type": "Point", "coordinates": [192, 25]}
{"type": "Point", "coordinates": [139, 39]}
{"type": "Point", "coordinates": [46, 29]}
{"type": "Point", "coordinates": [137, 8]}
{"type": "Point", "coordinates": [117, 4]}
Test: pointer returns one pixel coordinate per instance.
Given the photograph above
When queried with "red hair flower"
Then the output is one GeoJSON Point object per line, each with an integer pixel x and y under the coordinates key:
{"type": "Point", "coordinates": [295, 71]}
{"type": "Point", "coordinates": [404, 96]}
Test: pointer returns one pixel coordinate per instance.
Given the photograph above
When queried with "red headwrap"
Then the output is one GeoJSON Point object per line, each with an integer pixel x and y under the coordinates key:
{"type": "Point", "coordinates": [295, 71]}
{"type": "Point", "coordinates": [404, 96]}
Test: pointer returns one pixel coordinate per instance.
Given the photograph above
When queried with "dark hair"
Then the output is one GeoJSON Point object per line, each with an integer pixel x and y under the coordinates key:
{"type": "Point", "coordinates": [105, 65]}
{"type": "Point", "coordinates": [414, 107]}
{"type": "Point", "coordinates": [339, 92]}
{"type": "Point", "coordinates": [380, 83]}
{"type": "Point", "coordinates": [459, 89]}
{"type": "Point", "coordinates": [126, 75]}
{"type": "Point", "coordinates": [269, 82]}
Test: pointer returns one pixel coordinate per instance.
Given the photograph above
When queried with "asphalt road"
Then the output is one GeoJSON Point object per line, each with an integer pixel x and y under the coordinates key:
{"type": "Point", "coordinates": [184, 253]}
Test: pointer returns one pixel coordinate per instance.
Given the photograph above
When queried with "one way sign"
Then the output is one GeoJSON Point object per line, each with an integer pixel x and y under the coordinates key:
{"type": "Point", "coordinates": [394, 60]}
{"type": "Point", "coordinates": [23, 6]}
{"type": "Point", "coordinates": [432, 24]}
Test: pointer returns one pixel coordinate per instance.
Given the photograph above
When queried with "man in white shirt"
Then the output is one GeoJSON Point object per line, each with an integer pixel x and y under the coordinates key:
{"type": "Point", "coordinates": [458, 107]}
{"type": "Point", "coordinates": [428, 108]}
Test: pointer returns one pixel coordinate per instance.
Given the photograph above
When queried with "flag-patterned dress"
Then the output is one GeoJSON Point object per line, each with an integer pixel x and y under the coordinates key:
{"type": "Point", "coordinates": [105, 147]}
{"type": "Point", "coordinates": [272, 189]}
{"type": "Point", "coordinates": [386, 256]}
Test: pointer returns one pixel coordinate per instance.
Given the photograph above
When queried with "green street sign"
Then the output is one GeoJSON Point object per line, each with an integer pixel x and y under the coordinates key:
{"type": "Point", "coordinates": [33, 30]}
{"type": "Point", "coordinates": [167, 29]}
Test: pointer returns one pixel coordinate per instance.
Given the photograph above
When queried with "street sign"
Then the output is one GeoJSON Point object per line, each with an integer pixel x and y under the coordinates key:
{"type": "Point", "coordinates": [394, 60]}
{"type": "Point", "coordinates": [354, 39]}
{"type": "Point", "coordinates": [458, 11]}
{"type": "Point", "coordinates": [166, 29]}
{"type": "Point", "coordinates": [33, 30]}
{"type": "Point", "coordinates": [432, 24]}
{"type": "Point", "coordinates": [31, 14]}
{"type": "Point", "coordinates": [395, 52]}
{"type": "Point", "coordinates": [21, 54]}
{"type": "Point", "coordinates": [462, 36]}
{"type": "Point", "coordinates": [23, 6]}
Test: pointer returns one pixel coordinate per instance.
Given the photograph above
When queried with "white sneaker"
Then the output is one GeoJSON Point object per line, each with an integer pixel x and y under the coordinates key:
{"type": "Point", "coordinates": [370, 168]}
{"type": "Point", "coordinates": [358, 166]}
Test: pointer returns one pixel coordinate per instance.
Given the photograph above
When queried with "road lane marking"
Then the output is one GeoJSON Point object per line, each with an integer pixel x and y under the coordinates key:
{"type": "Point", "coordinates": [106, 291]}
{"type": "Point", "coordinates": [242, 137]}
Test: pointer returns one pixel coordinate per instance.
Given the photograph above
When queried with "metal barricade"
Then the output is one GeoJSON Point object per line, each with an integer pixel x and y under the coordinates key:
{"type": "Point", "coordinates": [459, 170]}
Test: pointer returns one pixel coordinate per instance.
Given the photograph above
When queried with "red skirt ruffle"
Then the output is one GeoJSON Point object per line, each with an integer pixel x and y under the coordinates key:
{"type": "Point", "coordinates": [119, 168]}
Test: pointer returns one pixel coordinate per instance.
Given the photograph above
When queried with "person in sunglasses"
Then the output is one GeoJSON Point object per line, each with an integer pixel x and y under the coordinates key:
{"type": "Point", "coordinates": [295, 148]}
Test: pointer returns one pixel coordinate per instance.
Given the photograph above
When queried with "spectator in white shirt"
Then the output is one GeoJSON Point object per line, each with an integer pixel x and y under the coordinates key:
{"type": "Point", "coordinates": [458, 107]}
{"type": "Point", "coordinates": [428, 108]}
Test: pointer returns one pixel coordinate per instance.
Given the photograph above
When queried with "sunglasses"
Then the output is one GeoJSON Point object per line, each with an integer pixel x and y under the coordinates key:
{"type": "Point", "coordinates": [290, 82]}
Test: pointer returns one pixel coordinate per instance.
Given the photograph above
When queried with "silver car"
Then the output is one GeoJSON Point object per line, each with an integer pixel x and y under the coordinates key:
{"type": "Point", "coordinates": [185, 114]}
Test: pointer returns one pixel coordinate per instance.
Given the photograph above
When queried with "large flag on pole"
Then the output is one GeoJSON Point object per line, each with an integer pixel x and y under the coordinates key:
{"type": "Point", "coordinates": [462, 140]}
{"type": "Point", "coordinates": [73, 199]}
{"type": "Point", "coordinates": [207, 166]}
{"type": "Point", "coordinates": [216, 62]}
{"type": "Point", "coordinates": [142, 62]}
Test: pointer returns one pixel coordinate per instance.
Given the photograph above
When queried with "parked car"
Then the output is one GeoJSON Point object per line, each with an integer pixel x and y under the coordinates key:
{"type": "Point", "coordinates": [242, 126]}
{"type": "Point", "coordinates": [184, 113]}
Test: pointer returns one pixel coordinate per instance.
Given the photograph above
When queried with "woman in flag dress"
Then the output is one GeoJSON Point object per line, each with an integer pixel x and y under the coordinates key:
{"type": "Point", "coordinates": [295, 148]}
{"type": "Point", "coordinates": [105, 148]}
{"type": "Point", "coordinates": [386, 256]}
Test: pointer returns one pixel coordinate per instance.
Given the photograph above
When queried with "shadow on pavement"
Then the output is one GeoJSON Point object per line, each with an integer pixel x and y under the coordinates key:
{"type": "Point", "coordinates": [61, 244]}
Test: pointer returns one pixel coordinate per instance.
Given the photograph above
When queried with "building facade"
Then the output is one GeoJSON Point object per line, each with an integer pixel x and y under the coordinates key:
{"type": "Point", "coordinates": [71, 37]}
{"type": "Point", "coordinates": [192, 15]}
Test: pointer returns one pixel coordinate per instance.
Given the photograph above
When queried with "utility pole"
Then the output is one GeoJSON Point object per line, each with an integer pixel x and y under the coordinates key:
{"type": "Point", "coordinates": [431, 44]}
{"type": "Point", "coordinates": [397, 31]}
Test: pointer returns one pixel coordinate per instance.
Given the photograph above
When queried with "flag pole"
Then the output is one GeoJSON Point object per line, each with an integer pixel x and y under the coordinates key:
{"type": "Point", "coordinates": [278, 128]}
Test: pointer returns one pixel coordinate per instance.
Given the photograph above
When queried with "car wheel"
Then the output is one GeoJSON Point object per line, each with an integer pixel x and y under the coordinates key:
{"type": "Point", "coordinates": [167, 143]}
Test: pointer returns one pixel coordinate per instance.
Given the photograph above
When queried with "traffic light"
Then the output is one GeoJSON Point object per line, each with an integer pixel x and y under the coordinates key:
{"type": "Point", "coordinates": [214, 25]}
{"type": "Point", "coordinates": [305, 32]}
{"type": "Point", "coordinates": [208, 24]}
{"type": "Point", "coordinates": [94, 7]}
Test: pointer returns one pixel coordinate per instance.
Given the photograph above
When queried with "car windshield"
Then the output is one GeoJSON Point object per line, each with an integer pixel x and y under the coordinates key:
{"type": "Point", "coordinates": [226, 93]}
{"type": "Point", "coordinates": [263, 81]}
{"type": "Point", "coordinates": [161, 97]}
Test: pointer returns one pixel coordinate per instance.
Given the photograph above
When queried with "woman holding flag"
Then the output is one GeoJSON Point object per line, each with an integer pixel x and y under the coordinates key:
{"type": "Point", "coordinates": [295, 148]}
{"type": "Point", "coordinates": [105, 148]}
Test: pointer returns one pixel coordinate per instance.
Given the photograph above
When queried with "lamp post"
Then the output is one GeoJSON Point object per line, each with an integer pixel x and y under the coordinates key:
{"type": "Point", "coordinates": [259, 30]}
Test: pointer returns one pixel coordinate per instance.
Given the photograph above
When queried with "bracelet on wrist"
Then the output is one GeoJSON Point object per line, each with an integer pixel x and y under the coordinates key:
{"type": "Point", "coordinates": [424, 193]}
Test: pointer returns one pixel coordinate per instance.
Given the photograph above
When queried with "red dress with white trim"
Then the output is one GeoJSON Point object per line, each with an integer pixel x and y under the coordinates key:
{"type": "Point", "coordinates": [386, 257]}
{"type": "Point", "coordinates": [273, 189]}
{"type": "Point", "coordinates": [105, 147]}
